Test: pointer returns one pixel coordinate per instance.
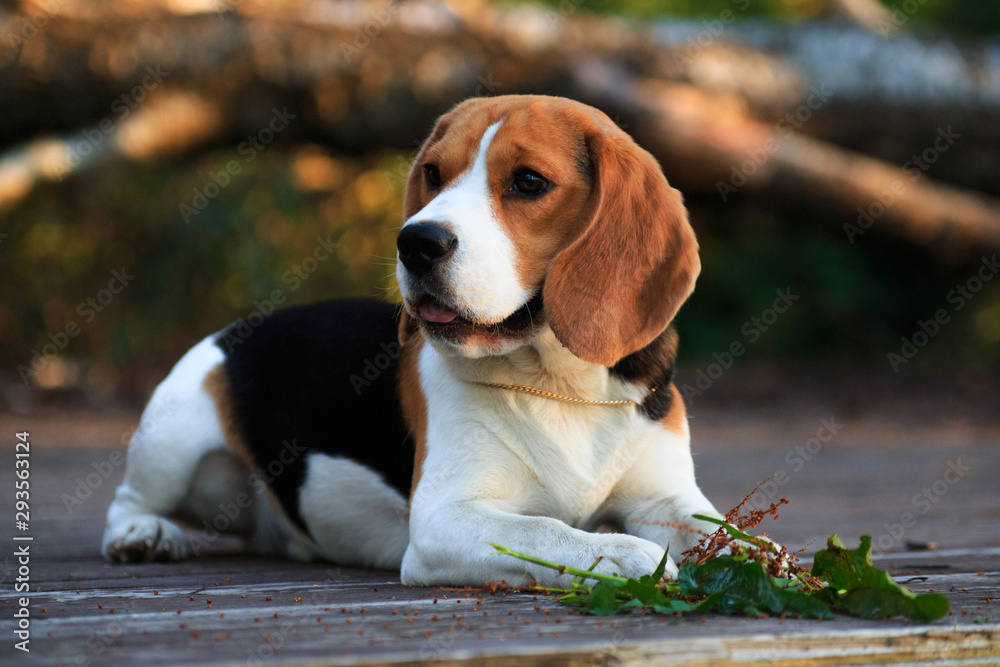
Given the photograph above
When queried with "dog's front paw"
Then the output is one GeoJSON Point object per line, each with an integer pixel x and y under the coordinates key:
{"type": "Point", "coordinates": [631, 557]}
{"type": "Point", "coordinates": [143, 538]}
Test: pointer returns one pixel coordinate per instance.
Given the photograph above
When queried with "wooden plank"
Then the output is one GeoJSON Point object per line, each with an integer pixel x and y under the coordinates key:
{"type": "Point", "coordinates": [314, 630]}
{"type": "Point", "coordinates": [348, 620]}
{"type": "Point", "coordinates": [239, 609]}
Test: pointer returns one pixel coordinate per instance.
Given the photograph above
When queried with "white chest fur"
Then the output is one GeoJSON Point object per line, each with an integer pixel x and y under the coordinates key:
{"type": "Point", "coordinates": [532, 455]}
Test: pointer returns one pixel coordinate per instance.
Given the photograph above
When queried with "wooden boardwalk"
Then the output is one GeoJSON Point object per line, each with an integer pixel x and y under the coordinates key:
{"type": "Point", "coordinates": [226, 608]}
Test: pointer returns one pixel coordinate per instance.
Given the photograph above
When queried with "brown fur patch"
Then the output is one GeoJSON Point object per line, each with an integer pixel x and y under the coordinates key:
{"type": "Point", "coordinates": [413, 403]}
{"type": "Point", "coordinates": [542, 135]}
{"type": "Point", "coordinates": [676, 418]}
{"type": "Point", "coordinates": [618, 285]}
{"type": "Point", "coordinates": [216, 384]}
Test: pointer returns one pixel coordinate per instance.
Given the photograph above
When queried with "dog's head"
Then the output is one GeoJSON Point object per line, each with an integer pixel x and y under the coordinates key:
{"type": "Point", "coordinates": [526, 210]}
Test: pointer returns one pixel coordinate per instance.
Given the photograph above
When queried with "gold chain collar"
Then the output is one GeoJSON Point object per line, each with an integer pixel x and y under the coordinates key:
{"type": "Point", "coordinates": [556, 397]}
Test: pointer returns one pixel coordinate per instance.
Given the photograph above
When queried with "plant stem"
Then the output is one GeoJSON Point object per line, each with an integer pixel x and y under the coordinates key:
{"type": "Point", "coordinates": [562, 569]}
{"type": "Point", "coordinates": [739, 534]}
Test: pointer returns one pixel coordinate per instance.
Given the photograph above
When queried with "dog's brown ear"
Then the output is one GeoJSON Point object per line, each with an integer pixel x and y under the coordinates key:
{"type": "Point", "coordinates": [616, 286]}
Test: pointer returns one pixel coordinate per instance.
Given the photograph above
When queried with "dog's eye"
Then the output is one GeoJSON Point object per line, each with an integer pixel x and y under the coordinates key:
{"type": "Point", "coordinates": [529, 182]}
{"type": "Point", "coordinates": [432, 176]}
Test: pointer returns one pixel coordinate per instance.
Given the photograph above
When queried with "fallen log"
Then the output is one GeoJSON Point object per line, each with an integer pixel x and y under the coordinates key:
{"type": "Point", "coordinates": [362, 77]}
{"type": "Point", "coordinates": [701, 142]}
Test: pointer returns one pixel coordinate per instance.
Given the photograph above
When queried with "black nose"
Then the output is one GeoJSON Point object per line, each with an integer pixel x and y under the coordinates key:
{"type": "Point", "coordinates": [422, 244]}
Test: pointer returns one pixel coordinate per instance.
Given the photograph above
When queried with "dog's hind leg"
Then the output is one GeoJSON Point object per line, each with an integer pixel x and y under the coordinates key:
{"type": "Point", "coordinates": [179, 427]}
{"type": "Point", "coordinates": [354, 517]}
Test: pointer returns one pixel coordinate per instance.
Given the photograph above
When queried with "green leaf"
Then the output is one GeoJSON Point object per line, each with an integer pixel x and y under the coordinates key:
{"type": "Point", "coordinates": [647, 589]}
{"type": "Point", "coordinates": [687, 576]}
{"type": "Point", "coordinates": [603, 599]}
{"type": "Point", "coordinates": [859, 588]}
{"type": "Point", "coordinates": [741, 587]}
{"type": "Point", "coordinates": [674, 607]}
{"type": "Point", "coordinates": [709, 603]}
{"type": "Point", "coordinates": [873, 603]}
{"type": "Point", "coordinates": [661, 568]}
{"type": "Point", "coordinates": [735, 585]}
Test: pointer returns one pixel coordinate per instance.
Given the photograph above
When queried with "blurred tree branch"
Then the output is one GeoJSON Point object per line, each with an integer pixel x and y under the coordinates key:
{"type": "Point", "coordinates": [130, 81]}
{"type": "Point", "coordinates": [174, 122]}
{"type": "Point", "coordinates": [682, 125]}
{"type": "Point", "coordinates": [869, 14]}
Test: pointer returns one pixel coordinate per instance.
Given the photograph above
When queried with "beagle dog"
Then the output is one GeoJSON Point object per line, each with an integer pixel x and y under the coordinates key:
{"type": "Point", "coordinates": [522, 395]}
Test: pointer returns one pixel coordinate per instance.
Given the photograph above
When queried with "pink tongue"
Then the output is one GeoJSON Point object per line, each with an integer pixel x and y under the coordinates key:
{"type": "Point", "coordinates": [435, 312]}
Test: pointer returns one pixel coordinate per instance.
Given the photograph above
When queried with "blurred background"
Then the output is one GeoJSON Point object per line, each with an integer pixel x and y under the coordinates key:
{"type": "Point", "coordinates": [168, 166]}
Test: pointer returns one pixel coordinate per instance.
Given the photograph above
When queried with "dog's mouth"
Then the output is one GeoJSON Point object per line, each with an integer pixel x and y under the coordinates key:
{"type": "Point", "coordinates": [442, 320]}
{"type": "Point", "coordinates": [432, 310]}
